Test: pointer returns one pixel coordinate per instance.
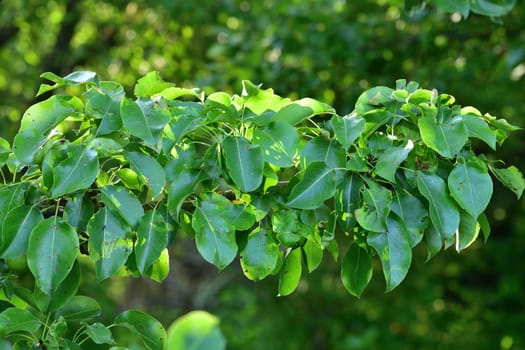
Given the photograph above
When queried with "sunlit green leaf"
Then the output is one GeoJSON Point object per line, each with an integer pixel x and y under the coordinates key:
{"type": "Point", "coordinates": [152, 238]}
{"type": "Point", "coordinates": [313, 254]}
{"type": "Point", "coordinates": [197, 330]}
{"type": "Point", "coordinates": [467, 232]}
{"type": "Point", "coordinates": [471, 186]}
{"type": "Point", "coordinates": [290, 272]}
{"type": "Point", "coordinates": [150, 84]}
{"type": "Point", "coordinates": [446, 137]}
{"type": "Point", "coordinates": [300, 110]}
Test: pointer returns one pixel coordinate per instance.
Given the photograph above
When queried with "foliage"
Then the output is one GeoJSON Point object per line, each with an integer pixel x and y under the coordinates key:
{"type": "Point", "coordinates": [273, 181]}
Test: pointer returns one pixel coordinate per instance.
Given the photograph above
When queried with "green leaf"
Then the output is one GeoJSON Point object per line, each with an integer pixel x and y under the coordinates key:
{"type": "Point", "coordinates": [413, 214]}
{"type": "Point", "coordinates": [151, 171]}
{"type": "Point", "coordinates": [38, 121]}
{"type": "Point", "coordinates": [433, 241]}
{"type": "Point", "coordinates": [317, 185]}
{"type": "Point", "coordinates": [197, 330]}
{"type": "Point", "coordinates": [443, 211]}
{"type": "Point", "coordinates": [461, 6]}
{"type": "Point", "coordinates": [105, 146]}
{"type": "Point", "coordinates": [146, 124]}
{"type": "Point", "coordinates": [370, 99]}
{"type": "Point", "coordinates": [446, 138]}
{"type": "Point", "coordinates": [478, 128]}
{"type": "Point", "coordinates": [244, 162]}
{"type": "Point", "coordinates": [13, 320]}
{"type": "Point", "coordinates": [285, 225]}
{"type": "Point", "coordinates": [389, 160]}
{"type": "Point", "coordinates": [99, 333]}
{"type": "Point", "coordinates": [5, 149]}
{"type": "Point", "coordinates": [152, 238]}
{"type": "Point", "coordinates": [471, 186]}
{"type": "Point", "coordinates": [376, 206]}
{"type": "Point", "coordinates": [279, 142]}
{"type": "Point", "coordinates": [66, 290]}
{"type": "Point", "coordinates": [78, 210]}
{"type": "Point", "coordinates": [215, 234]}
{"type": "Point", "coordinates": [145, 326]}
{"type": "Point", "coordinates": [160, 268]}
{"type": "Point", "coordinates": [511, 178]}
{"type": "Point", "coordinates": [347, 200]}
{"type": "Point", "coordinates": [393, 248]}
{"type": "Point", "coordinates": [16, 228]}
{"type": "Point", "coordinates": [258, 100]}
{"type": "Point", "coordinates": [79, 308]}
{"type": "Point", "coordinates": [172, 93]}
{"type": "Point", "coordinates": [243, 216]}
{"type": "Point", "coordinates": [300, 110]}
{"type": "Point", "coordinates": [182, 185]}
{"type": "Point", "coordinates": [109, 242]}
{"type": "Point", "coordinates": [319, 149]}
{"type": "Point", "coordinates": [484, 224]}
{"type": "Point", "coordinates": [259, 256]}
{"type": "Point", "coordinates": [492, 8]}
{"type": "Point", "coordinates": [150, 84]}
{"type": "Point", "coordinates": [52, 251]}
{"type": "Point", "coordinates": [313, 254]}
{"type": "Point", "coordinates": [467, 232]}
{"type": "Point", "coordinates": [290, 272]}
{"type": "Point", "coordinates": [347, 128]}
{"type": "Point", "coordinates": [123, 202]}
{"type": "Point", "coordinates": [103, 102]}
{"type": "Point", "coordinates": [72, 79]}
{"type": "Point", "coordinates": [356, 270]}
{"type": "Point", "coordinates": [77, 172]}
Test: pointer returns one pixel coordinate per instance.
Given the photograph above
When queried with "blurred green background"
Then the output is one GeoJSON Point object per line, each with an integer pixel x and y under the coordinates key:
{"type": "Point", "coordinates": [330, 50]}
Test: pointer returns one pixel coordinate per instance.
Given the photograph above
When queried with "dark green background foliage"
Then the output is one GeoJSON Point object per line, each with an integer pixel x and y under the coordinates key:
{"type": "Point", "coordinates": [331, 50]}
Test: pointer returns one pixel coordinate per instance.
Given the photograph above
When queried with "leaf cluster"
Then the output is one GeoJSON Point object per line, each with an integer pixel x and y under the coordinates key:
{"type": "Point", "coordinates": [273, 182]}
